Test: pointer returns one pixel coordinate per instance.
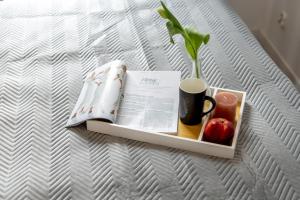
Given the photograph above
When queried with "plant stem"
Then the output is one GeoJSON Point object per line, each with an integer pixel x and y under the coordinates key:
{"type": "Point", "coordinates": [197, 68]}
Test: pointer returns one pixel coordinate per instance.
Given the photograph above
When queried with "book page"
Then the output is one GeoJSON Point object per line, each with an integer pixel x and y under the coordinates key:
{"type": "Point", "coordinates": [100, 95]}
{"type": "Point", "coordinates": [150, 101]}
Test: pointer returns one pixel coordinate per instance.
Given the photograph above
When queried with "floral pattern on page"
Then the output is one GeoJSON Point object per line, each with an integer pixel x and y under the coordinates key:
{"type": "Point", "coordinates": [100, 95]}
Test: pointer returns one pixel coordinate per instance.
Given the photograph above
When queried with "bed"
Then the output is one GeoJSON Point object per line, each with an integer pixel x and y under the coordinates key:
{"type": "Point", "coordinates": [47, 48]}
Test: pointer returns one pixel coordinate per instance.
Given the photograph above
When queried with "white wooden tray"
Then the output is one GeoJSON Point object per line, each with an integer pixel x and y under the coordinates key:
{"type": "Point", "coordinates": [189, 138]}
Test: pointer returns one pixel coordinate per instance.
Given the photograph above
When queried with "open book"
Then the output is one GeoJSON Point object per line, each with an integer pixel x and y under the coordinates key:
{"type": "Point", "coordinates": [144, 100]}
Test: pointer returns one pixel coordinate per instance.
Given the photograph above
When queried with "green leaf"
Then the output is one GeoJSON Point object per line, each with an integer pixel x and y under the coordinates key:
{"type": "Point", "coordinates": [170, 16]}
{"type": "Point", "coordinates": [193, 39]}
{"type": "Point", "coordinates": [162, 12]}
{"type": "Point", "coordinates": [173, 30]}
{"type": "Point", "coordinates": [196, 38]}
{"type": "Point", "coordinates": [190, 49]}
{"type": "Point", "coordinates": [206, 38]}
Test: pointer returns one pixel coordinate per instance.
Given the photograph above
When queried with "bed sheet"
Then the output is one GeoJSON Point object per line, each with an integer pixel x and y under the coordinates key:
{"type": "Point", "coordinates": [47, 48]}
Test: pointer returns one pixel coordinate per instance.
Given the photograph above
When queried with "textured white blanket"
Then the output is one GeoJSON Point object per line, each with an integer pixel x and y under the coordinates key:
{"type": "Point", "coordinates": [46, 50]}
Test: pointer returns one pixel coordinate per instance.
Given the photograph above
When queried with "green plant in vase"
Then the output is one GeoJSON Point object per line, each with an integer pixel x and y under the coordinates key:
{"type": "Point", "coordinates": [192, 38]}
{"type": "Point", "coordinates": [194, 91]}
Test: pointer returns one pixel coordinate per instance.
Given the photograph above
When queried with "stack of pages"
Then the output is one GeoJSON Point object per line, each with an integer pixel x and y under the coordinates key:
{"type": "Point", "coordinates": [143, 100]}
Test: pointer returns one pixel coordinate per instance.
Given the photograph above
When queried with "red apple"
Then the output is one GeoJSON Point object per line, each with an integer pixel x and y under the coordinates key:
{"type": "Point", "coordinates": [219, 130]}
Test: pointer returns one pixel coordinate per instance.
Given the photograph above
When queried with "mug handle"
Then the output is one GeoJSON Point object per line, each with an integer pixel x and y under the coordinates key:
{"type": "Point", "coordinates": [208, 98]}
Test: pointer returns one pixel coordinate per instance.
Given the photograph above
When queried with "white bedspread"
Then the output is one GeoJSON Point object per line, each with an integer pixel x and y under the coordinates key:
{"type": "Point", "coordinates": [47, 48]}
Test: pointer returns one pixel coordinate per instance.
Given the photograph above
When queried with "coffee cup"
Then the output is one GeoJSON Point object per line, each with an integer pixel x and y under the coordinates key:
{"type": "Point", "coordinates": [192, 95]}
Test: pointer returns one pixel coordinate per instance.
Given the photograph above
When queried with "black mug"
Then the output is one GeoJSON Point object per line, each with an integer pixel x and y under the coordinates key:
{"type": "Point", "coordinates": [191, 101]}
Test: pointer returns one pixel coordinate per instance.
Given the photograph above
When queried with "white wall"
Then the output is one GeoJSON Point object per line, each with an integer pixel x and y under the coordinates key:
{"type": "Point", "coordinates": [287, 40]}
{"type": "Point", "coordinates": [253, 12]}
{"type": "Point", "coordinates": [262, 16]}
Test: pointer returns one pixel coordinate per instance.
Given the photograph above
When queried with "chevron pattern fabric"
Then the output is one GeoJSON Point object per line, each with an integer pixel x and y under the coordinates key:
{"type": "Point", "coordinates": [47, 48]}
